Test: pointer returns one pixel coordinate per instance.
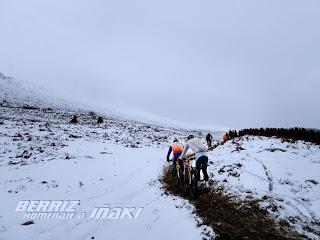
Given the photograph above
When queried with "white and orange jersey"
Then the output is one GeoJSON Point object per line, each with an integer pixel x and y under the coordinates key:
{"type": "Point", "coordinates": [177, 148]}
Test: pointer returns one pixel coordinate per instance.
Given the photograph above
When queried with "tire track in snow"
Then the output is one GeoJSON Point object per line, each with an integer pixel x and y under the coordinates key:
{"type": "Point", "coordinates": [267, 172]}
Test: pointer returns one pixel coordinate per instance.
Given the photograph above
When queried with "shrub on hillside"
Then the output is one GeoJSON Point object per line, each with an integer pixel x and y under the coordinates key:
{"type": "Point", "coordinates": [100, 120]}
{"type": "Point", "coordinates": [74, 119]}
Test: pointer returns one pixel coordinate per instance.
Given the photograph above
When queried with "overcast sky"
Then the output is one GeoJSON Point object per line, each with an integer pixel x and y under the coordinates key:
{"type": "Point", "coordinates": [230, 63]}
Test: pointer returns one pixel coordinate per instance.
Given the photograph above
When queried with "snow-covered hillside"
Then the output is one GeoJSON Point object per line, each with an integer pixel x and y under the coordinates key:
{"type": "Point", "coordinates": [118, 163]}
{"type": "Point", "coordinates": [23, 92]}
{"type": "Point", "coordinates": [283, 175]}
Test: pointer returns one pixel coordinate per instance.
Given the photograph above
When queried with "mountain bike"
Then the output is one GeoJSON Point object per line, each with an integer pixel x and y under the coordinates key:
{"type": "Point", "coordinates": [188, 177]}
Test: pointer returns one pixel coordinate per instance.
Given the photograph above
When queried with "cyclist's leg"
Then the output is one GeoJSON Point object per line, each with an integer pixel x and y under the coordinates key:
{"type": "Point", "coordinates": [174, 166]}
{"type": "Point", "coordinates": [204, 165]}
{"type": "Point", "coordinates": [198, 169]}
{"type": "Point", "coordinates": [201, 164]}
{"type": "Point", "coordinates": [181, 167]}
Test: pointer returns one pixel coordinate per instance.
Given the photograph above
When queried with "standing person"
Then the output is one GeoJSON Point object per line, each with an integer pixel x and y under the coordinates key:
{"type": "Point", "coordinates": [226, 138]}
{"type": "Point", "coordinates": [201, 152]}
{"type": "Point", "coordinates": [175, 149]}
{"type": "Point", "coordinates": [209, 139]}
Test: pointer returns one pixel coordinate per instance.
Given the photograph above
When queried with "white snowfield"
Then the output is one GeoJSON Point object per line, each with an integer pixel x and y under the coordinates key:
{"type": "Point", "coordinates": [284, 175]}
{"type": "Point", "coordinates": [116, 163]}
{"type": "Point", "coordinates": [123, 177]}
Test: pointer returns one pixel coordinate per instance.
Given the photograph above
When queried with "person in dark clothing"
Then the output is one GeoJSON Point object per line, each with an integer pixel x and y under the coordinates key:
{"type": "Point", "coordinates": [209, 139]}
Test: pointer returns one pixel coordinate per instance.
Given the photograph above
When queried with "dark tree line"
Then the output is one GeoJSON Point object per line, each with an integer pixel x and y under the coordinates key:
{"type": "Point", "coordinates": [295, 134]}
{"type": "Point", "coordinates": [233, 134]}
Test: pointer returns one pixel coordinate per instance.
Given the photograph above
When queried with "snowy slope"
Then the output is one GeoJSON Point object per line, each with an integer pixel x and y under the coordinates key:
{"type": "Point", "coordinates": [21, 92]}
{"type": "Point", "coordinates": [44, 157]}
{"type": "Point", "coordinates": [28, 93]}
{"type": "Point", "coordinates": [285, 176]}
{"type": "Point", "coordinates": [118, 162]}
{"type": "Point", "coordinates": [118, 179]}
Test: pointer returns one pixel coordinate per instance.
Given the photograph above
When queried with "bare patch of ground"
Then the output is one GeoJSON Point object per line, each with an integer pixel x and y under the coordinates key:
{"type": "Point", "coordinates": [230, 218]}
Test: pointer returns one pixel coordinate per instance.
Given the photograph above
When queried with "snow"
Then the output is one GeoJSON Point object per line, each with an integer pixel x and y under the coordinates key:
{"type": "Point", "coordinates": [124, 177]}
{"type": "Point", "coordinates": [284, 174]}
{"type": "Point", "coordinates": [44, 157]}
{"type": "Point", "coordinates": [26, 92]}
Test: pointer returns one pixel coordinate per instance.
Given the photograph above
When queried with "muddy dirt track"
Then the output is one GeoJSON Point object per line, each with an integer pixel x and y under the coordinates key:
{"type": "Point", "coordinates": [230, 218]}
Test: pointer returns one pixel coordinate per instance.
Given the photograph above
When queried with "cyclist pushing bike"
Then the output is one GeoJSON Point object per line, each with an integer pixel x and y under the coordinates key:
{"type": "Point", "coordinates": [175, 151]}
{"type": "Point", "coordinates": [201, 157]}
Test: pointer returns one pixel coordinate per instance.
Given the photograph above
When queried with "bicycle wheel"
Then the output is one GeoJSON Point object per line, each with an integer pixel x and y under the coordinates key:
{"type": "Point", "coordinates": [193, 185]}
{"type": "Point", "coordinates": [189, 170]}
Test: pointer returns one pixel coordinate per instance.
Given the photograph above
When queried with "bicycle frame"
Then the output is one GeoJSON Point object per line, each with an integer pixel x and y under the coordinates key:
{"type": "Point", "coordinates": [189, 176]}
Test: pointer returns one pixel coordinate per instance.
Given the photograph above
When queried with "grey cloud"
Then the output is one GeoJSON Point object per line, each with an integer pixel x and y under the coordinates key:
{"type": "Point", "coordinates": [239, 63]}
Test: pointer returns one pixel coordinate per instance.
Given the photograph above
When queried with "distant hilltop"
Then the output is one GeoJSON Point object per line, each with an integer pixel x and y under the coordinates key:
{"type": "Point", "coordinates": [2, 76]}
